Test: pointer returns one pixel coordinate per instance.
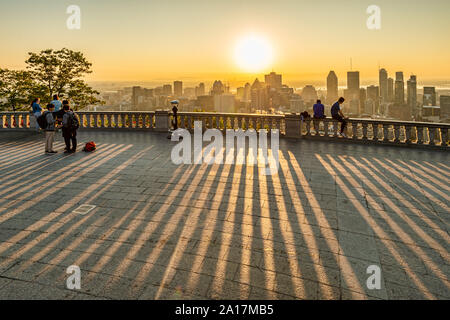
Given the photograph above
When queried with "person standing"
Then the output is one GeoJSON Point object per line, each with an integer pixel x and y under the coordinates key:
{"type": "Point", "coordinates": [36, 109]}
{"type": "Point", "coordinates": [337, 114]}
{"type": "Point", "coordinates": [49, 129]}
{"type": "Point", "coordinates": [70, 125]}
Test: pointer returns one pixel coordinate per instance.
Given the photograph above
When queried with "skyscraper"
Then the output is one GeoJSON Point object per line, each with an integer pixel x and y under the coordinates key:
{"type": "Point", "coordinates": [383, 76]}
{"type": "Point", "coordinates": [273, 80]}
{"type": "Point", "coordinates": [373, 94]}
{"type": "Point", "coordinates": [445, 108]}
{"type": "Point", "coordinates": [429, 96]}
{"type": "Point", "coordinates": [399, 88]}
{"type": "Point", "coordinates": [411, 94]}
{"type": "Point", "coordinates": [390, 90]}
{"type": "Point", "coordinates": [352, 94]}
{"type": "Point", "coordinates": [218, 88]}
{"type": "Point", "coordinates": [200, 90]}
{"type": "Point", "coordinates": [332, 87]}
{"type": "Point", "coordinates": [353, 81]}
{"type": "Point", "coordinates": [178, 88]}
{"type": "Point", "coordinates": [167, 89]}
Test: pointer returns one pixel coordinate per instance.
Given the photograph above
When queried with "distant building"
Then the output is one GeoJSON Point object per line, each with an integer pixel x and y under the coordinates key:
{"type": "Point", "coordinates": [167, 90]}
{"type": "Point", "coordinates": [200, 90]}
{"type": "Point", "coordinates": [259, 96]}
{"type": "Point", "coordinates": [273, 80]}
{"type": "Point", "coordinates": [399, 89]}
{"type": "Point", "coordinates": [178, 88]}
{"type": "Point", "coordinates": [352, 94]}
{"type": "Point", "coordinates": [445, 109]}
{"type": "Point", "coordinates": [332, 87]}
{"type": "Point", "coordinates": [205, 103]}
{"type": "Point", "coordinates": [429, 96]}
{"type": "Point", "coordinates": [373, 94]}
{"type": "Point", "coordinates": [225, 103]}
{"type": "Point", "coordinates": [411, 95]}
{"type": "Point", "coordinates": [383, 79]}
{"type": "Point", "coordinates": [390, 90]}
{"type": "Point", "coordinates": [218, 88]}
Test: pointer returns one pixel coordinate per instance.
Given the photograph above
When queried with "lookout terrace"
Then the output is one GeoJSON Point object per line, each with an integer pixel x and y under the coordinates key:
{"type": "Point", "coordinates": [363, 217]}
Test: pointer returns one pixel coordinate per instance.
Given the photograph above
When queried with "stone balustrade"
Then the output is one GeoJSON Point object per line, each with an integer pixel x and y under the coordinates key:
{"type": "Point", "coordinates": [290, 125]}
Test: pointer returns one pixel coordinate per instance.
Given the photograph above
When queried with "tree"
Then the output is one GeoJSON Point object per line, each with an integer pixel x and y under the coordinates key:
{"type": "Point", "coordinates": [61, 72]}
{"type": "Point", "coordinates": [16, 87]}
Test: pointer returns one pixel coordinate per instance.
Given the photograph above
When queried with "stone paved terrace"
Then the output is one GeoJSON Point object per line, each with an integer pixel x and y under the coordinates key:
{"type": "Point", "coordinates": [162, 231]}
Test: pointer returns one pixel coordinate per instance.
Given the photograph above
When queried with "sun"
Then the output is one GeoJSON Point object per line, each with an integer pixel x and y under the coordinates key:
{"type": "Point", "coordinates": [253, 53]}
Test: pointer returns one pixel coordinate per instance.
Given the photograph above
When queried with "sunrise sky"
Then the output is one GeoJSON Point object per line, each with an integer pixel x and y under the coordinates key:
{"type": "Point", "coordinates": [140, 40]}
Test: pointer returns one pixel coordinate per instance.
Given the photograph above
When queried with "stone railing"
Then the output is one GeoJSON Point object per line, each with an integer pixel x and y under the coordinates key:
{"type": "Point", "coordinates": [371, 131]}
{"type": "Point", "coordinates": [290, 125]}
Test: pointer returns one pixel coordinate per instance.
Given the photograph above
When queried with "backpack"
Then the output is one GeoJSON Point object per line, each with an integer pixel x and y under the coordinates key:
{"type": "Point", "coordinates": [89, 147]}
{"type": "Point", "coordinates": [42, 120]}
{"type": "Point", "coordinates": [74, 123]}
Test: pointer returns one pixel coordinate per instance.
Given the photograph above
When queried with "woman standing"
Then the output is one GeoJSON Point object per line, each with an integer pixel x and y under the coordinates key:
{"type": "Point", "coordinates": [36, 110]}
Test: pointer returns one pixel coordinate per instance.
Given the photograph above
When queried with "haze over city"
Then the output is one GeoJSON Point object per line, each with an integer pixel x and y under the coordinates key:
{"type": "Point", "coordinates": [197, 40]}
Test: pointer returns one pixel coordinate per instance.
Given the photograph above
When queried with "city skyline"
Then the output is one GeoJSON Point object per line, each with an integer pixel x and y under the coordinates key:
{"type": "Point", "coordinates": [141, 41]}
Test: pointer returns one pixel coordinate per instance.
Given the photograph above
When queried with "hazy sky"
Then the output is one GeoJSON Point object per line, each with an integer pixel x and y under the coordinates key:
{"type": "Point", "coordinates": [191, 39]}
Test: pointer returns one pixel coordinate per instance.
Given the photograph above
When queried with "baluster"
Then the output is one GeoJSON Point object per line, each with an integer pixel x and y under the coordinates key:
{"type": "Point", "coordinates": [408, 129]}
{"type": "Point", "coordinates": [432, 134]}
{"type": "Point", "coordinates": [419, 135]}
{"type": "Point", "coordinates": [335, 128]}
{"type": "Point", "coordinates": [364, 130]}
{"type": "Point", "coordinates": [375, 131]}
{"type": "Point", "coordinates": [396, 133]}
{"type": "Point", "coordinates": [444, 137]}
{"type": "Point", "coordinates": [385, 132]}
{"type": "Point", "coordinates": [354, 130]}
{"type": "Point", "coordinates": [308, 127]}
{"type": "Point", "coordinates": [325, 127]}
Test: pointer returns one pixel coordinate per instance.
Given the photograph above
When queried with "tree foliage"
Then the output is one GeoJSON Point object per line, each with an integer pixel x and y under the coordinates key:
{"type": "Point", "coordinates": [16, 87]}
{"type": "Point", "coordinates": [48, 72]}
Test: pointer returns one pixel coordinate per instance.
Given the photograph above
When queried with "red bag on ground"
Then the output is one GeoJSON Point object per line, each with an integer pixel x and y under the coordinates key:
{"type": "Point", "coordinates": [90, 146]}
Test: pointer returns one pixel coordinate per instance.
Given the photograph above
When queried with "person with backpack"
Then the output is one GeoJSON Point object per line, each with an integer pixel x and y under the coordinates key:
{"type": "Point", "coordinates": [47, 122]}
{"type": "Point", "coordinates": [70, 125]}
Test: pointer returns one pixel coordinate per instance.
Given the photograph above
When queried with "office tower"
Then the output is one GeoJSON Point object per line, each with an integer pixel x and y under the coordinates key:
{"type": "Point", "coordinates": [352, 85]}
{"type": "Point", "coordinates": [259, 97]}
{"type": "Point", "coordinates": [353, 81]}
{"type": "Point", "coordinates": [167, 90]}
{"type": "Point", "coordinates": [399, 88]}
{"type": "Point", "coordinates": [135, 94]}
{"type": "Point", "coordinates": [411, 93]}
{"type": "Point", "coordinates": [383, 76]}
{"type": "Point", "coordinates": [200, 90]}
{"type": "Point", "coordinates": [273, 80]}
{"type": "Point", "coordinates": [178, 88]}
{"type": "Point", "coordinates": [390, 90]}
{"type": "Point", "coordinates": [332, 87]}
{"type": "Point", "coordinates": [429, 96]}
{"type": "Point", "coordinates": [218, 88]}
{"type": "Point", "coordinates": [445, 108]}
{"type": "Point", "coordinates": [373, 94]}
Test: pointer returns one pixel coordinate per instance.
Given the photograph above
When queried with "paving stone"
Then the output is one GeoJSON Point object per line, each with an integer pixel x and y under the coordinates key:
{"type": "Point", "coordinates": [162, 231]}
